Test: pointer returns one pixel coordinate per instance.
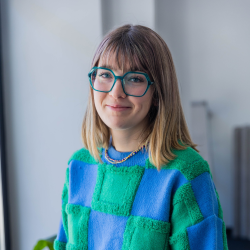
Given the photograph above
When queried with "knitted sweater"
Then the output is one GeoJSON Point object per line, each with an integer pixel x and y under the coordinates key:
{"type": "Point", "coordinates": [132, 205]}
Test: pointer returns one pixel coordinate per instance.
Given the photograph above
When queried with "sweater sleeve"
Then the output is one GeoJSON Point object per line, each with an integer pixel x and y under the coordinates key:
{"type": "Point", "coordinates": [62, 235]}
{"type": "Point", "coordinates": [196, 216]}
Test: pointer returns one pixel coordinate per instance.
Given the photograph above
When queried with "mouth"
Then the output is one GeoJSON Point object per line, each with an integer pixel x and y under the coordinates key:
{"type": "Point", "coordinates": [119, 108]}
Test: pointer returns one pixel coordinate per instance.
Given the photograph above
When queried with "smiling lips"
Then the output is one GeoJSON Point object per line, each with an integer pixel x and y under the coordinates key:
{"type": "Point", "coordinates": [118, 108]}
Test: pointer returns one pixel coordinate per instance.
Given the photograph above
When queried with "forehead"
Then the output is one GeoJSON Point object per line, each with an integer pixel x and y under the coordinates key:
{"type": "Point", "coordinates": [119, 61]}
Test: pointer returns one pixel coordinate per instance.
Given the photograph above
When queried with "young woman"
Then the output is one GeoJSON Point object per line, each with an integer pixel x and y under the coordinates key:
{"type": "Point", "coordinates": [139, 182]}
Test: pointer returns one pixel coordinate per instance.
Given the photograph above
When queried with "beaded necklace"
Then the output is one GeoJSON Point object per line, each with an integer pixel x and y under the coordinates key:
{"type": "Point", "coordinates": [124, 159]}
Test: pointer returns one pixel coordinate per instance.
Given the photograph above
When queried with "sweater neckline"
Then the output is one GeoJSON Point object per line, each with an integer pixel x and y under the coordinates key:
{"type": "Point", "coordinates": [138, 159]}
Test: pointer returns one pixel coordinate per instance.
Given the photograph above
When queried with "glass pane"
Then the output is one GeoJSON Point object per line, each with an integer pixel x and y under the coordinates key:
{"type": "Point", "coordinates": [102, 79]}
{"type": "Point", "coordinates": [135, 84]}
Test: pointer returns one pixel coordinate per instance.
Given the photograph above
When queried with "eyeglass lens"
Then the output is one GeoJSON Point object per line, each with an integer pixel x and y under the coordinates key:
{"type": "Point", "coordinates": [134, 84]}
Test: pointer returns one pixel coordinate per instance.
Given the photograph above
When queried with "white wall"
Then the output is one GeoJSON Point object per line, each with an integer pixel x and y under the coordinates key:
{"type": "Point", "coordinates": [210, 41]}
{"type": "Point", "coordinates": [119, 12]}
{"type": "Point", "coordinates": [50, 47]}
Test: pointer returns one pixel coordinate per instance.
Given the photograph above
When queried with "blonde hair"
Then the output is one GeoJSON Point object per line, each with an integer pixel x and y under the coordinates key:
{"type": "Point", "coordinates": [143, 49]}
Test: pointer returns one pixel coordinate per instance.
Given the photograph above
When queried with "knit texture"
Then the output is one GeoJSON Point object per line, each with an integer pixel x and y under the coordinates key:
{"type": "Point", "coordinates": [132, 206]}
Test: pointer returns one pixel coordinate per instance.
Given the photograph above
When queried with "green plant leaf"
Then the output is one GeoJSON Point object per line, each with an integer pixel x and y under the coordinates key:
{"type": "Point", "coordinates": [41, 244]}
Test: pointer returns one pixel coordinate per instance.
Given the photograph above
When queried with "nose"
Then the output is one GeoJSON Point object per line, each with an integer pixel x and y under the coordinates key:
{"type": "Point", "coordinates": [117, 90]}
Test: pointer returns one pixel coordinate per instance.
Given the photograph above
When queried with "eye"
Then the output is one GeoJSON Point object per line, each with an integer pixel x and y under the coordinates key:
{"type": "Point", "coordinates": [104, 75]}
{"type": "Point", "coordinates": [136, 79]}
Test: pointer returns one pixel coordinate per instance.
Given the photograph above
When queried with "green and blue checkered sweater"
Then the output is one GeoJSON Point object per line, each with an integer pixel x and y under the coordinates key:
{"type": "Point", "coordinates": [131, 205]}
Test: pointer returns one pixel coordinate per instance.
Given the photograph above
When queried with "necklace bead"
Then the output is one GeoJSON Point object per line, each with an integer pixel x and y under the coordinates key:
{"type": "Point", "coordinates": [124, 159]}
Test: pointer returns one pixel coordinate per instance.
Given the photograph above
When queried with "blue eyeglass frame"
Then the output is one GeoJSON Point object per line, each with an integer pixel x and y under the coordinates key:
{"type": "Point", "coordinates": [120, 77]}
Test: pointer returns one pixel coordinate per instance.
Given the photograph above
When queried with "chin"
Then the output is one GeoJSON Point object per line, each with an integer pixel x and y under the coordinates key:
{"type": "Point", "coordinates": [117, 125]}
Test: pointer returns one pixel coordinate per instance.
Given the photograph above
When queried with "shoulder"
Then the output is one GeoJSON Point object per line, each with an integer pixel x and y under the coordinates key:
{"type": "Point", "coordinates": [189, 162]}
{"type": "Point", "coordinates": [82, 155]}
{"type": "Point", "coordinates": [188, 155]}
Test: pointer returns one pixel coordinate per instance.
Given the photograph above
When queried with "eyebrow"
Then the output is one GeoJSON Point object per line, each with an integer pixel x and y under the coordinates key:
{"type": "Point", "coordinates": [112, 68]}
{"type": "Point", "coordinates": [107, 66]}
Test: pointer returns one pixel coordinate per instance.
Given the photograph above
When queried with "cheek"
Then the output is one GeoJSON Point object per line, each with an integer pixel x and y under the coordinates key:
{"type": "Point", "coordinates": [147, 100]}
{"type": "Point", "coordinates": [98, 99]}
{"type": "Point", "coordinates": [97, 102]}
{"type": "Point", "coordinates": [144, 104]}
{"type": "Point", "coordinates": [141, 110]}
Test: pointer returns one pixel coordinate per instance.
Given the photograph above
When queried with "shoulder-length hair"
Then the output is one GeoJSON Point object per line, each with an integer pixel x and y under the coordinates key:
{"type": "Point", "coordinates": [142, 48]}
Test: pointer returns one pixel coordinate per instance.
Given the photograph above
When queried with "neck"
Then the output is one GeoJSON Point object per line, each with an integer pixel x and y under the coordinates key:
{"type": "Point", "coordinates": [125, 142]}
{"type": "Point", "coordinates": [128, 146]}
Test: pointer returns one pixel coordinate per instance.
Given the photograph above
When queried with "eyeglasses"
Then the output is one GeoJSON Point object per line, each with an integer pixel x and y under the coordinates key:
{"type": "Point", "coordinates": [133, 83]}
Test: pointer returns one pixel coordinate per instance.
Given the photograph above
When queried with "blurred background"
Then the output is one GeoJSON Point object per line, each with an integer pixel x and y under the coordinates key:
{"type": "Point", "coordinates": [47, 49]}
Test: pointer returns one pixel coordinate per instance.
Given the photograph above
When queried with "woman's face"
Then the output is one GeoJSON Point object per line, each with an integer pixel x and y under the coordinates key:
{"type": "Point", "coordinates": [133, 118]}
